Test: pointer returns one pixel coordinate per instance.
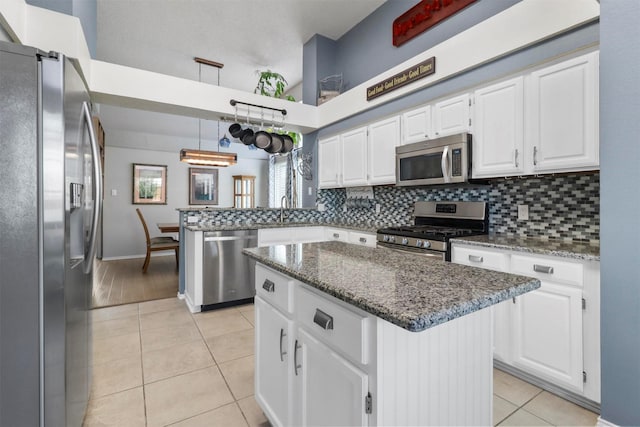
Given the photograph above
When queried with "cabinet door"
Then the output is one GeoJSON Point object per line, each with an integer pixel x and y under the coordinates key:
{"type": "Point", "coordinates": [451, 115]}
{"type": "Point", "coordinates": [548, 334]}
{"type": "Point", "coordinates": [384, 137]}
{"type": "Point", "coordinates": [498, 137]}
{"type": "Point", "coordinates": [563, 106]}
{"type": "Point", "coordinates": [354, 157]}
{"type": "Point", "coordinates": [331, 390]}
{"type": "Point", "coordinates": [329, 162]}
{"type": "Point", "coordinates": [273, 381]}
{"type": "Point", "coordinates": [416, 125]}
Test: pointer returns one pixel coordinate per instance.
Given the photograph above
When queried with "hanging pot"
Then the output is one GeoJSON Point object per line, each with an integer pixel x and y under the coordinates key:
{"type": "Point", "coordinates": [287, 145]}
{"type": "Point", "coordinates": [236, 130]}
{"type": "Point", "coordinates": [262, 139]}
{"type": "Point", "coordinates": [276, 144]}
{"type": "Point", "coordinates": [247, 137]}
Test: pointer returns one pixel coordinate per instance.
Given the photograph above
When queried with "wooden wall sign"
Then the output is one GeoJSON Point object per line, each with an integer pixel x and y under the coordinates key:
{"type": "Point", "coordinates": [423, 16]}
{"type": "Point", "coordinates": [403, 78]}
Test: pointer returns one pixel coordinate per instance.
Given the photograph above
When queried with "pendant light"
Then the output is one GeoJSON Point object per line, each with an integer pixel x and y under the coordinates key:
{"type": "Point", "coordinates": [202, 157]}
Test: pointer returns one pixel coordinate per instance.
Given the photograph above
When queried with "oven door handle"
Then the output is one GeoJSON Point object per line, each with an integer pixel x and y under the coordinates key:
{"type": "Point", "coordinates": [444, 164]}
{"type": "Point", "coordinates": [422, 253]}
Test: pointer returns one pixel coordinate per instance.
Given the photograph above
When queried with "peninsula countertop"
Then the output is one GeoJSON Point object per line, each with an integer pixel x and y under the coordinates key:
{"type": "Point", "coordinates": [410, 291]}
{"type": "Point", "coordinates": [535, 245]}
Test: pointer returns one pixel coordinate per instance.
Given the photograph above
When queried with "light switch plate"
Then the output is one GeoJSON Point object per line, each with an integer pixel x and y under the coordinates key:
{"type": "Point", "coordinates": [523, 212]}
{"type": "Point", "coordinates": [191, 219]}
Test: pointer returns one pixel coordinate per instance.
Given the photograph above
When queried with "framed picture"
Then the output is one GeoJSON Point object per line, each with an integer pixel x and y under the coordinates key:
{"type": "Point", "coordinates": [149, 184]}
{"type": "Point", "coordinates": [203, 186]}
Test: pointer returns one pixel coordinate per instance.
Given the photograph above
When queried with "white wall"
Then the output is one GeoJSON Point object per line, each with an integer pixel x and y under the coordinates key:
{"type": "Point", "coordinates": [123, 235]}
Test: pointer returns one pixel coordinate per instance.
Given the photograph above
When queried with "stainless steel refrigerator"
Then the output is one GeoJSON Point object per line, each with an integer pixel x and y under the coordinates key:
{"type": "Point", "coordinates": [50, 195]}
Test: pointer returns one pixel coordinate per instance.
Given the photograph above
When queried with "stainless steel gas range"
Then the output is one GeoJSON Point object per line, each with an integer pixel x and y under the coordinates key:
{"type": "Point", "coordinates": [435, 224]}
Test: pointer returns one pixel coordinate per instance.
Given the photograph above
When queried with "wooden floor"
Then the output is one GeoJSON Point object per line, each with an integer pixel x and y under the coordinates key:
{"type": "Point", "coordinates": [122, 281]}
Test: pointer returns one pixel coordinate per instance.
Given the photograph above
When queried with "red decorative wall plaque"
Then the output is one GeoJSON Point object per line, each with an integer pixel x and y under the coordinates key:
{"type": "Point", "coordinates": [423, 16]}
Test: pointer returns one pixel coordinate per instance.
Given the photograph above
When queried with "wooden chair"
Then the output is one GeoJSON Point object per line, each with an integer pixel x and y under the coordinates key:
{"type": "Point", "coordinates": [157, 244]}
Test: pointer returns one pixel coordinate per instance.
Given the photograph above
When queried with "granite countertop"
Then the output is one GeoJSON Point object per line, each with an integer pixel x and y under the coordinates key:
{"type": "Point", "coordinates": [535, 245]}
{"type": "Point", "coordinates": [410, 291]}
{"type": "Point", "coordinates": [258, 225]}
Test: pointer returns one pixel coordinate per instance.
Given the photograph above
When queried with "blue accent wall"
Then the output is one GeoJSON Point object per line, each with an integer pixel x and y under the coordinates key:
{"type": "Point", "coordinates": [367, 49]}
{"type": "Point", "coordinates": [620, 210]}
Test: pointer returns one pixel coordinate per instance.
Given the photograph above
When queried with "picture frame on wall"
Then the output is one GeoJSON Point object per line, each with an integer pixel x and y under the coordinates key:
{"type": "Point", "coordinates": [203, 186]}
{"type": "Point", "coordinates": [149, 184]}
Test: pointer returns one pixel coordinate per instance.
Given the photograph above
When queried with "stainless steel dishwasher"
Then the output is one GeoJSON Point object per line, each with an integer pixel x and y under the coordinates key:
{"type": "Point", "coordinates": [227, 274]}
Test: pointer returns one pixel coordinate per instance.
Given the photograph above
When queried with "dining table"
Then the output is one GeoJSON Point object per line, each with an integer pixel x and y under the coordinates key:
{"type": "Point", "coordinates": [168, 227]}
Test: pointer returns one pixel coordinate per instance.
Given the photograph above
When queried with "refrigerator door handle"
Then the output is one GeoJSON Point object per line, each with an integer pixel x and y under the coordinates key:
{"type": "Point", "coordinates": [97, 180]}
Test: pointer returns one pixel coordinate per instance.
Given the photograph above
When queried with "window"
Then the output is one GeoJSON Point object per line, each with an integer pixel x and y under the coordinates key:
{"type": "Point", "coordinates": [280, 181]}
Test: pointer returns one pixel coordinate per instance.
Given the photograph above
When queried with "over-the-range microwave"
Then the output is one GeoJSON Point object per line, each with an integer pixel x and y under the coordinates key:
{"type": "Point", "coordinates": [445, 160]}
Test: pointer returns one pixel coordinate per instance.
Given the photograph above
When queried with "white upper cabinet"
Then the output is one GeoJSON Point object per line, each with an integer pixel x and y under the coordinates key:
{"type": "Point", "coordinates": [384, 137]}
{"type": "Point", "coordinates": [329, 162]}
{"type": "Point", "coordinates": [498, 137]}
{"type": "Point", "coordinates": [451, 116]}
{"type": "Point", "coordinates": [417, 125]}
{"type": "Point", "coordinates": [354, 157]}
{"type": "Point", "coordinates": [563, 110]}
{"type": "Point", "coordinates": [362, 156]}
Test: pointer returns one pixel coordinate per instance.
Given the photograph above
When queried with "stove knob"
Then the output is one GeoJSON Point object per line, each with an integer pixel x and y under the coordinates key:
{"type": "Point", "coordinates": [405, 241]}
{"type": "Point", "coordinates": [418, 243]}
{"type": "Point", "coordinates": [392, 239]}
{"type": "Point", "coordinates": [426, 244]}
{"type": "Point", "coordinates": [385, 238]}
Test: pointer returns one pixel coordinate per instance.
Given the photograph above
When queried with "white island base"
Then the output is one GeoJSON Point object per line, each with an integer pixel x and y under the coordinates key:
{"type": "Point", "coordinates": [362, 370]}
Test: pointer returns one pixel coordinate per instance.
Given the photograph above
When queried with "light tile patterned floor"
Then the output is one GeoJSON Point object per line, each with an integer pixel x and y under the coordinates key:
{"type": "Point", "coordinates": [156, 364]}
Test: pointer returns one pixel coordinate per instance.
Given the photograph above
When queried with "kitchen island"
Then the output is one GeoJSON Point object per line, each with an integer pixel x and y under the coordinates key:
{"type": "Point", "coordinates": [349, 335]}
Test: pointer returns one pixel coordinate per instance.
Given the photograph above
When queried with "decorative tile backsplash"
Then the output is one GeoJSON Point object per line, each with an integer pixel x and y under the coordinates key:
{"type": "Point", "coordinates": [560, 207]}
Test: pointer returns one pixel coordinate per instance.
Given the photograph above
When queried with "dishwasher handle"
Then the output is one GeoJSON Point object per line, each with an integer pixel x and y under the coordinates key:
{"type": "Point", "coordinates": [227, 238]}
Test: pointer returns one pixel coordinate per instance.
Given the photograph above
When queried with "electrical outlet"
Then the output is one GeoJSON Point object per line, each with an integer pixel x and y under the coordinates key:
{"type": "Point", "coordinates": [321, 207]}
{"type": "Point", "coordinates": [114, 192]}
{"type": "Point", "coordinates": [523, 212]}
{"type": "Point", "coordinates": [310, 191]}
{"type": "Point", "coordinates": [377, 208]}
{"type": "Point", "coordinates": [191, 219]}
{"type": "Point", "coordinates": [344, 208]}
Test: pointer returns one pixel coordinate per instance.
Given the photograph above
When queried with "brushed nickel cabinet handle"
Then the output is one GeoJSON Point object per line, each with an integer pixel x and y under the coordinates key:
{"type": "Point", "coordinates": [336, 236]}
{"type": "Point", "coordinates": [535, 155]}
{"type": "Point", "coordinates": [517, 165]}
{"type": "Point", "coordinates": [282, 353]}
{"type": "Point", "coordinates": [295, 358]}
{"type": "Point", "coordinates": [542, 269]}
{"type": "Point", "coordinates": [323, 320]}
{"type": "Point", "coordinates": [475, 258]}
{"type": "Point", "coordinates": [363, 240]}
{"type": "Point", "coordinates": [269, 286]}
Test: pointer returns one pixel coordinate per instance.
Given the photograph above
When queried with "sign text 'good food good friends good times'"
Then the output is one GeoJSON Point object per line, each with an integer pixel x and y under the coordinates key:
{"type": "Point", "coordinates": [403, 78]}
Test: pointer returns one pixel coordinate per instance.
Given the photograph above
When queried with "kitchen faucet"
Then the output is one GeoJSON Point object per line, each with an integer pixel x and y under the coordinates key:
{"type": "Point", "coordinates": [284, 204]}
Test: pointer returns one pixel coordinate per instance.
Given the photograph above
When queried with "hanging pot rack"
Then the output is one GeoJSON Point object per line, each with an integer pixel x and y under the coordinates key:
{"type": "Point", "coordinates": [253, 120]}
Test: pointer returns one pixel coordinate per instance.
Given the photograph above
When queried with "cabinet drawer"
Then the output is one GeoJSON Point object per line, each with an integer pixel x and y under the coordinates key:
{"type": "Point", "coordinates": [308, 234]}
{"type": "Point", "coordinates": [337, 234]}
{"type": "Point", "coordinates": [548, 269]}
{"type": "Point", "coordinates": [275, 288]}
{"type": "Point", "coordinates": [274, 236]}
{"type": "Point", "coordinates": [339, 327]}
{"type": "Point", "coordinates": [365, 239]}
{"type": "Point", "coordinates": [479, 258]}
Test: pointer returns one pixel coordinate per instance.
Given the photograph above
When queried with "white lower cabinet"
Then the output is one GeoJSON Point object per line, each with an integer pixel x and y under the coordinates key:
{"type": "Point", "coordinates": [330, 389]}
{"type": "Point", "coordinates": [322, 362]}
{"type": "Point", "coordinates": [273, 378]}
{"type": "Point", "coordinates": [553, 332]}
{"type": "Point", "coordinates": [548, 334]}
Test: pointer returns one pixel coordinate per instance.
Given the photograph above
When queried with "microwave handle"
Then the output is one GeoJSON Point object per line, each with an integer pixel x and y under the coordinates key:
{"type": "Point", "coordinates": [444, 164]}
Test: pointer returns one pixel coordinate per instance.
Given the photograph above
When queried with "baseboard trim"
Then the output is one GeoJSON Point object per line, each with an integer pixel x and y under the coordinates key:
{"type": "Point", "coordinates": [604, 423]}
{"type": "Point", "coordinates": [153, 255]}
{"type": "Point", "coordinates": [550, 387]}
